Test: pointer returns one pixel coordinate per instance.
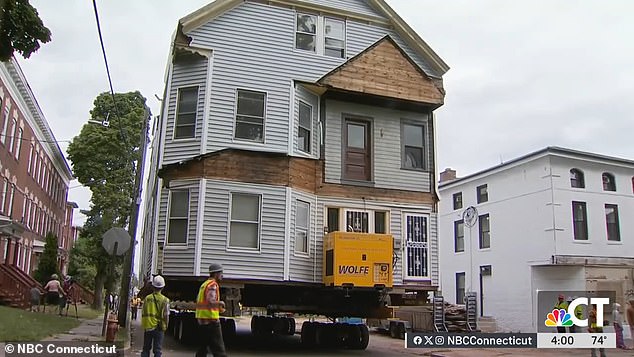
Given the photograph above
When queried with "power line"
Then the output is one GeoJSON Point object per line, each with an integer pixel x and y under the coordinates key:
{"type": "Point", "coordinates": [39, 141]}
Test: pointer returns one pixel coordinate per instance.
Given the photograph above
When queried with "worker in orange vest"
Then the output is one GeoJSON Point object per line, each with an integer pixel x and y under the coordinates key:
{"type": "Point", "coordinates": [208, 309]}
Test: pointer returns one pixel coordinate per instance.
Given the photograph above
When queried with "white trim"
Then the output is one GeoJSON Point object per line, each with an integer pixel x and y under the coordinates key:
{"type": "Point", "coordinates": [291, 118]}
{"type": "Point", "coordinates": [177, 105]}
{"type": "Point", "coordinates": [207, 104]}
{"type": "Point", "coordinates": [287, 234]}
{"type": "Point", "coordinates": [168, 217]}
{"type": "Point", "coordinates": [200, 220]}
{"type": "Point", "coordinates": [164, 115]}
{"type": "Point", "coordinates": [229, 248]}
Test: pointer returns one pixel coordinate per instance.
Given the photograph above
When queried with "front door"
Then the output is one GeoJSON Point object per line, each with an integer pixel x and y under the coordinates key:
{"type": "Point", "coordinates": [357, 160]}
{"type": "Point", "coordinates": [416, 247]}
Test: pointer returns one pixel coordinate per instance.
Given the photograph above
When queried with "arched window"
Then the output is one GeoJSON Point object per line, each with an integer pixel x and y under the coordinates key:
{"type": "Point", "coordinates": [576, 178]}
{"type": "Point", "coordinates": [608, 182]}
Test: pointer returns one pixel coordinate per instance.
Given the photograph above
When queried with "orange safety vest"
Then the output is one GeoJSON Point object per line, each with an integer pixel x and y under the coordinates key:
{"type": "Point", "coordinates": [204, 311]}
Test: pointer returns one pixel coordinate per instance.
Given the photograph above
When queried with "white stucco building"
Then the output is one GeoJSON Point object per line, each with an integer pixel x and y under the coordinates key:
{"type": "Point", "coordinates": [556, 219]}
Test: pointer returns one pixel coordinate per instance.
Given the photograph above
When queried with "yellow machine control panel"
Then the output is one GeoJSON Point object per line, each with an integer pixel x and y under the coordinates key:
{"type": "Point", "coordinates": [358, 259]}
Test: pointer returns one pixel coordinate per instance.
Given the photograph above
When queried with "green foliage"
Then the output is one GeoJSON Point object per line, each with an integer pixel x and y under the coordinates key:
{"type": "Point", "coordinates": [47, 265]}
{"type": "Point", "coordinates": [21, 325]}
{"type": "Point", "coordinates": [81, 265]}
{"type": "Point", "coordinates": [21, 29]}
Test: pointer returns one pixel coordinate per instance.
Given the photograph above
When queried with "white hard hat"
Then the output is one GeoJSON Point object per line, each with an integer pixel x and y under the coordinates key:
{"type": "Point", "coordinates": [158, 282]}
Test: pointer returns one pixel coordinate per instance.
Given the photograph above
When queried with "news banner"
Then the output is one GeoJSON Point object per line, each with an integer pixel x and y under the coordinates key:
{"type": "Point", "coordinates": [510, 340]}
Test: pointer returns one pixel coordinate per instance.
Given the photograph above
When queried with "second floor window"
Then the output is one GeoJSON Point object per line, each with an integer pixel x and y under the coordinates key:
{"type": "Point", "coordinates": [458, 233]}
{"type": "Point", "coordinates": [306, 32]}
{"type": "Point", "coordinates": [357, 158]}
{"type": "Point", "coordinates": [12, 138]}
{"type": "Point", "coordinates": [28, 168]}
{"type": "Point", "coordinates": [412, 136]}
{"type": "Point", "coordinates": [321, 35]}
{"type": "Point", "coordinates": [612, 222]}
{"type": "Point", "coordinates": [579, 220]}
{"type": "Point", "coordinates": [457, 200]}
{"type": "Point", "coordinates": [304, 136]}
{"type": "Point", "coordinates": [18, 143]}
{"type": "Point", "coordinates": [485, 231]}
{"type": "Point", "coordinates": [185, 124]}
{"type": "Point", "coordinates": [576, 179]}
{"type": "Point", "coordinates": [608, 182]}
{"type": "Point", "coordinates": [250, 109]}
{"type": "Point", "coordinates": [178, 217]}
{"type": "Point", "coordinates": [482, 193]}
{"type": "Point", "coordinates": [334, 38]}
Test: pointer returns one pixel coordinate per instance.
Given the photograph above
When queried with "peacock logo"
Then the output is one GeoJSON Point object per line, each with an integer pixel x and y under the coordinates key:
{"type": "Point", "coordinates": [558, 318]}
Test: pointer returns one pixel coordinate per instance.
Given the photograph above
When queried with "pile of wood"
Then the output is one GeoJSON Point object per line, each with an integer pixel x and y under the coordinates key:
{"type": "Point", "coordinates": [456, 317]}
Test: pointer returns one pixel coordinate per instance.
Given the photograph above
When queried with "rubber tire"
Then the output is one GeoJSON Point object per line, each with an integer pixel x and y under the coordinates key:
{"type": "Point", "coordinates": [309, 334]}
{"type": "Point", "coordinates": [393, 329]}
{"type": "Point", "coordinates": [181, 331]}
{"type": "Point", "coordinates": [292, 327]}
{"type": "Point", "coordinates": [255, 324]}
{"type": "Point", "coordinates": [280, 325]}
{"type": "Point", "coordinates": [365, 337]}
{"type": "Point", "coordinates": [400, 330]}
{"type": "Point", "coordinates": [175, 329]}
{"type": "Point", "coordinates": [229, 332]}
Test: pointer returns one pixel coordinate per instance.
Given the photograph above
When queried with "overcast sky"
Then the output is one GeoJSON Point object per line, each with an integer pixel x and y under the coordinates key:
{"type": "Point", "coordinates": [524, 74]}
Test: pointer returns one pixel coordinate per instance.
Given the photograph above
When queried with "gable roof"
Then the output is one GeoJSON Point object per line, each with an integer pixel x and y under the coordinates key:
{"type": "Point", "coordinates": [384, 69]}
{"type": "Point", "coordinates": [219, 7]}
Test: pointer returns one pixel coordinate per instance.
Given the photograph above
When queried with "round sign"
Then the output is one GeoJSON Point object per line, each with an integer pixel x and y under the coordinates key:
{"type": "Point", "coordinates": [116, 241]}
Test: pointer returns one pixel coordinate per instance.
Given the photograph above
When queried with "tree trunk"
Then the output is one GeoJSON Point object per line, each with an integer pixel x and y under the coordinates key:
{"type": "Point", "coordinates": [100, 279]}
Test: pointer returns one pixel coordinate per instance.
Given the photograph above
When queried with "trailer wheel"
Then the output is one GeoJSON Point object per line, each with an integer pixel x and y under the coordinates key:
{"type": "Point", "coordinates": [309, 334]}
{"type": "Point", "coordinates": [229, 330]}
{"type": "Point", "coordinates": [255, 324]}
{"type": "Point", "coordinates": [291, 326]}
{"type": "Point", "coordinates": [400, 330]}
{"type": "Point", "coordinates": [354, 337]}
{"type": "Point", "coordinates": [393, 331]}
{"type": "Point", "coordinates": [365, 337]}
{"type": "Point", "coordinates": [281, 325]}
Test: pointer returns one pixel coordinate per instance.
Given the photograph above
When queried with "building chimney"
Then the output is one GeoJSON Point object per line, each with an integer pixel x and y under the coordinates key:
{"type": "Point", "coordinates": [447, 175]}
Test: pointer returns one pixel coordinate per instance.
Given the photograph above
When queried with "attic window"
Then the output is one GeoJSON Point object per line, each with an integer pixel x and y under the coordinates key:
{"type": "Point", "coordinates": [322, 35]}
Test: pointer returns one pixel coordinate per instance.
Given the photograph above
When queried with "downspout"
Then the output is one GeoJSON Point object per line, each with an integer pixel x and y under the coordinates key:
{"type": "Point", "coordinates": [552, 207]}
{"type": "Point", "coordinates": [287, 235]}
{"type": "Point", "coordinates": [200, 221]}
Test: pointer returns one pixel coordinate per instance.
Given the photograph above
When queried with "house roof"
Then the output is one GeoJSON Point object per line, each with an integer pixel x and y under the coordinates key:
{"type": "Point", "coordinates": [219, 7]}
{"type": "Point", "coordinates": [550, 150]}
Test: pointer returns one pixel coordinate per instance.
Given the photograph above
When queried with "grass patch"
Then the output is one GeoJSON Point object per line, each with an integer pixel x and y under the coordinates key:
{"type": "Point", "coordinates": [83, 311]}
{"type": "Point", "coordinates": [22, 325]}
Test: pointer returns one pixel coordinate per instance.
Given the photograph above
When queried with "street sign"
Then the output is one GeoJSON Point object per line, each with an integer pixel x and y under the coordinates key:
{"type": "Point", "coordinates": [116, 241]}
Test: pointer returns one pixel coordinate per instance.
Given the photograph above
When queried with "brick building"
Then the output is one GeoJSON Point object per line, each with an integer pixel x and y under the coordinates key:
{"type": "Point", "coordinates": [34, 177]}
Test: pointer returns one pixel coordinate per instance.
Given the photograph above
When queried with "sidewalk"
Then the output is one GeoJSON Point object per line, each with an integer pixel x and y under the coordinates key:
{"type": "Point", "coordinates": [89, 330]}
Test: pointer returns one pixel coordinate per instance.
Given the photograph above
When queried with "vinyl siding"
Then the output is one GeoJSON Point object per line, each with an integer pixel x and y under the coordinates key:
{"type": "Point", "coordinates": [254, 48]}
{"type": "Point", "coordinates": [356, 6]}
{"type": "Point", "coordinates": [385, 142]}
{"type": "Point", "coordinates": [311, 99]}
{"type": "Point", "coordinates": [185, 74]}
{"type": "Point", "coordinates": [303, 267]}
{"type": "Point", "coordinates": [178, 259]}
{"type": "Point", "coordinates": [266, 264]}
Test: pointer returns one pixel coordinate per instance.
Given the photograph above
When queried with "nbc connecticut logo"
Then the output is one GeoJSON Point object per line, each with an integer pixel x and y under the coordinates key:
{"type": "Point", "coordinates": [558, 318]}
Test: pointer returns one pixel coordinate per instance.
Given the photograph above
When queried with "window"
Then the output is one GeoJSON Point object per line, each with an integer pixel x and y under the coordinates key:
{"type": "Point", "coordinates": [458, 234]}
{"type": "Point", "coordinates": [28, 212]}
{"type": "Point", "coordinates": [5, 194]}
{"type": "Point", "coordinates": [11, 197]}
{"type": "Point", "coordinates": [305, 126]}
{"type": "Point", "coordinates": [416, 246]}
{"type": "Point", "coordinates": [19, 144]}
{"type": "Point", "coordinates": [457, 200]}
{"type": "Point", "coordinates": [28, 168]}
{"type": "Point", "coordinates": [580, 220]}
{"type": "Point", "coordinates": [485, 231]}
{"type": "Point", "coordinates": [357, 221]}
{"type": "Point", "coordinates": [334, 38]}
{"type": "Point", "coordinates": [5, 125]}
{"type": "Point", "coordinates": [357, 153]}
{"type": "Point", "coordinates": [576, 179]}
{"type": "Point", "coordinates": [23, 219]}
{"type": "Point", "coordinates": [306, 32]}
{"type": "Point", "coordinates": [333, 219]}
{"type": "Point", "coordinates": [380, 222]}
{"type": "Point", "coordinates": [413, 144]}
{"type": "Point", "coordinates": [178, 217]}
{"type": "Point", "coordinates": [482, 194]}
{"type": "Point", "coordinates": [185, 125]}
{"type": "Point", "coordinates": [12, 138]}
{"type": "Point", "coordinates": [460, 288]}
{"type": "Point", "coordinates": [245, 221]}
{"type": "Point", "coordinates": [302, 227]}
{"type": "Point", "coordinates": [608, 182]}
{"type": "Point", "coordinates": [250, 115]}
{"type": "Point", "coordinates": [612, 222]}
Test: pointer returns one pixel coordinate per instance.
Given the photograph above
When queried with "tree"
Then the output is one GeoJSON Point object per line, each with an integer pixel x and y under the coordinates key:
{"type": "Point", "coordinates": [104, 159]}
{"type": "Point", "coordinates": [47, 265]}
{"type": "Point", "coordinates": [22, 30]}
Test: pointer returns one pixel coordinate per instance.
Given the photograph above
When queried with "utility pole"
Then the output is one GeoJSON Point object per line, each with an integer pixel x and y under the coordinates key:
{"type": "Point", "coordinates": [126, 276]}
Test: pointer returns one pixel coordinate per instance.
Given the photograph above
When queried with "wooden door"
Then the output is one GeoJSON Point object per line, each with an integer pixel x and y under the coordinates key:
{"type": "Point", "coordinates": [357, 159]}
